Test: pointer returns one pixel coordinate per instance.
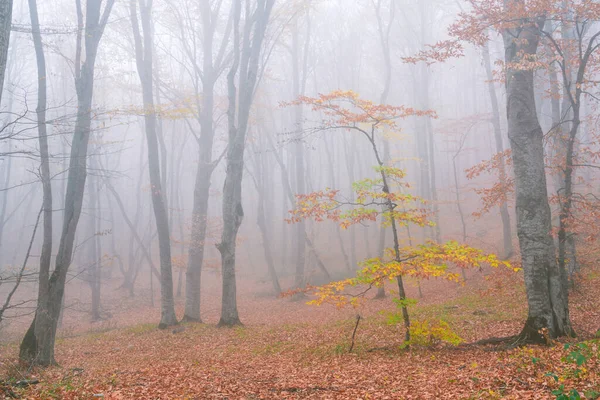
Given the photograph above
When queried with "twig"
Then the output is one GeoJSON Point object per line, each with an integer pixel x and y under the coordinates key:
{"type": "Point", "coordinates": [354, 333]}
{"type": "Point", "coordinates": [20, 275]}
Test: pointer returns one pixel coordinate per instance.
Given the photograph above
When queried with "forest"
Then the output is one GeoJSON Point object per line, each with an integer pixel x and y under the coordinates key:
{"type": "Point", "coordinates": [300, 199]}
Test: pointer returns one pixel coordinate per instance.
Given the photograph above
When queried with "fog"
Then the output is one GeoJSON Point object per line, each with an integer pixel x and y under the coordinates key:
{"type": "Point", "coordinates": [167, 139]}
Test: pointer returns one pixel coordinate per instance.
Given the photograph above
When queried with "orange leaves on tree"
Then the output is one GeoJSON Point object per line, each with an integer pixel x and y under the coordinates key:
{"type": "Point", "coordinates": [345, 109]}
{"type": "Point", "coordinates": [502, 187]}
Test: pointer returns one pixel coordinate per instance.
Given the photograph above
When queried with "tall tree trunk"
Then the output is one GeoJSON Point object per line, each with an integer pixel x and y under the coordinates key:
{"type": "Point", "coordinates": [287, 189]}
{"type": "Point", "coordinates": [298, 84]}
{"type": "Point", "coordinates": [547, 296]}
{"type": "Point", "coordinates": [247, 52]}
{"type": "Point", "coordinates": [143, 53]}
{"type": "Point", "coordinates": [6, 7]}
{"type": "Point", "coordinates": [93, 270]}
{"type": "Point", "coordinates": [384, 31]}
{"type": "Point", "coordinates": [338, 230]}
{"type": "Point", "coordinates": [38, 344]}
{"type": "Point", "coordinates": [201, 198]}
{"type": "Point", "coordinates": [113, 242]}
{"type": "Point", "coordinates": [198, 234]}
{"type": "Point", "coordinates": [350, 155]}
{"type": "Point", "coordinates": [569, 127]}
{"type": "Point", "coordinates": [46, 254]}
{"type": "Point", "coordinates": [211, 69]}
{"type": "Point", "coordinates": [508, 250]}
{"type": "Point", "coordinates": [260, 179]}
{"type": "Point", "coordinates": [132, 264]}
{"type": "Point", "coordinates": [136, 237]}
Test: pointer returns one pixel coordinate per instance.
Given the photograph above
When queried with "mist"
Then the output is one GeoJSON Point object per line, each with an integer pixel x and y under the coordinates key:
{"type": "Point", "coordinates": [173, 164]}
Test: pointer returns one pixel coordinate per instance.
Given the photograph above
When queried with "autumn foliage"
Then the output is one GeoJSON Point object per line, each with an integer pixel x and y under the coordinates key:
{"type": "Point", "coordinates": [384, 199]}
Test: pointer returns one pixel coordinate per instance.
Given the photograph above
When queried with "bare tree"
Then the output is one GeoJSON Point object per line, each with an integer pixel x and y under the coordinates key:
{"type": "Point", "coordinates": [247, 47]}
{"type": "Point", "coordinates": [6, 7]}
{"type": "Point", "coordinates": [143, 55]}
{"type": "Point", "coordinates": [213, 65]}
{"type": "Point", "coordinates": [38, 343]}
{"type": "Point", "coordinates": [260, 179]}
{"type": "Point", "coordinates": [504, 215]}
{"type": "Point", "coordinates": [46, 254]}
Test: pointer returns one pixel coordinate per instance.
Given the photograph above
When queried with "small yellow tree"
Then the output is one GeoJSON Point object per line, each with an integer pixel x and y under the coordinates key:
{"type": "Point", "coordinates": [379, 198]}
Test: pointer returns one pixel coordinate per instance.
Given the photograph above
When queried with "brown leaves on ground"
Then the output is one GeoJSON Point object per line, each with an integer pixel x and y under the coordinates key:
{"type": "Point", "coordinates": [289, 350]}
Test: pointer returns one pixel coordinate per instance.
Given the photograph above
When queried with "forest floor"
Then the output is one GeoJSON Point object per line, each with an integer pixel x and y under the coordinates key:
{"type": "Point", "coordinates": [290, 350]}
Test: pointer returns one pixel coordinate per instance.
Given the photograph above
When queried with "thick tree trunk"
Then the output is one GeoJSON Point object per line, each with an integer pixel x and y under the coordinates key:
{"type": "Point", "coordinates": [201, 196]}
{"type": "Point", "coordinates": [246, 58]}
{"type": "Point", "coordinates": [547, 295]}
{"type": "Point", "coordinates": [211, 70]}
{"type": "Point", "coordinates": [198, 238]}
{"type": "Point", "coordinates": [38, 344]}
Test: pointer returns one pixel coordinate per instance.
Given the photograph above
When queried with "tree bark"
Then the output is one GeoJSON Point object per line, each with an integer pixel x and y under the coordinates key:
{"type": "Point", "coordinates": [547, 296]}
{"type": "Point", "coordinates": [143, 53]}
{"type": "Point", "coordinates": [245, 63]}
{"type": "Point", "coordinates": [38, 344]}
{"type": "Point", "coordinates": [260, 180]}
{"type": "Point", "coordinates": [508, 250]}
{"type": "Point", "coordinates": [203, 177]}
{"type": "Point", "coordinates": [6, 7]}
{"type": "Point", "coordinates": [46, 253]}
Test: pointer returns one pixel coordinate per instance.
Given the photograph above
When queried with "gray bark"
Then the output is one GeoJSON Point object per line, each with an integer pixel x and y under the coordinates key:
{"type": "Point", "coordinates": [299, 71]}
{"type": "Point", "coordinates": [6, 7]}
{"type": "Point", "coordinates": [547, 295]}
{"type": "Point", "coordinates": [143, 55]}
{"type": "Point", "coordinates": [508, 250]}
{"type": "Point", "coordinates": [247, 51]}
{"type": "Point", "coordinates": [260, 178]}
{"type": "Point", "coordinates": [38, 343]}
{"type": "Point", "coordinates": [211, 70]}
{"type": "Point", "coordinates": [93, 269]}
{"type": "Point", "coordinates": [338, 230]}
{"type": "Point", "coordinates": [287, 190]}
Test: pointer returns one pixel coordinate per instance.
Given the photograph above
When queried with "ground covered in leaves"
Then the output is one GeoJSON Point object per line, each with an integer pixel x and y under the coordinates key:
{"type": "Point", "coordinates": [289, 350]}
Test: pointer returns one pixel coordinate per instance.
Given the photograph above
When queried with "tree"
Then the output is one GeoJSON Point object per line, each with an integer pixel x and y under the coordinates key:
{"type": "Point", "coordinates": [247, 47]}
{"type": "Point", "coordinates": [574, 51]}
{"type": "Point", "coordinates": [299, 53]}
{"type": "Point", "coordinates": [384, 31]}
{"type": "Point", "coordinates": [546, 293]}
{"type": "Point", "coordinates": [378, 198]}
{"type": "Point", "coordinates": [521, 25]}
{"type": "Point", "coordinates": [38, 344]}
{"type": "Point", "coordinates": [46, 253]}
{"type": "Point", "coordinates": [207, 72]}
{"type": "Point", "coordinates": [6, 7]}
{"type": "Point", "coordinates": [143, 56]}
{"type": "Point", "coordinates": [260, 178]}
{"type": "Point", "coordinates": [504, 215]}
